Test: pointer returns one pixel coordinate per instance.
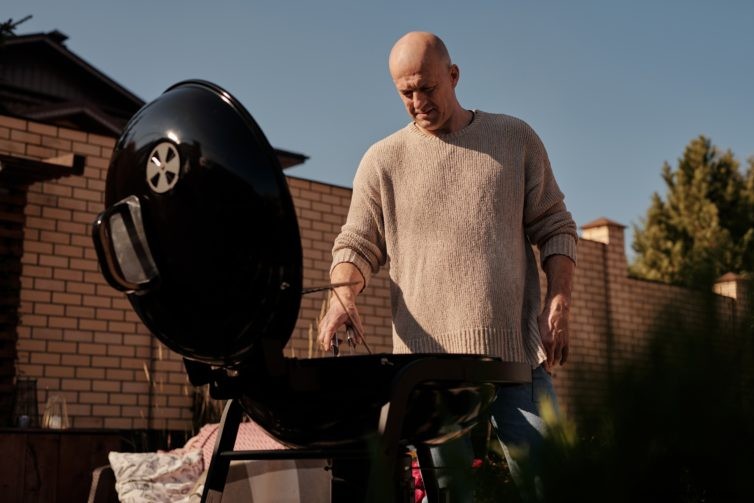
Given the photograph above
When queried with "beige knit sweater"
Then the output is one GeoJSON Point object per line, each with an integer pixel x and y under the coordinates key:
{"type": "Point", "coordinates": [455, 217]}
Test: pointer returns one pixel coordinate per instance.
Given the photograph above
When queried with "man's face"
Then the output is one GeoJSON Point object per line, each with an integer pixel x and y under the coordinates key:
{"type": "Point", "coordinates": [428, 93]}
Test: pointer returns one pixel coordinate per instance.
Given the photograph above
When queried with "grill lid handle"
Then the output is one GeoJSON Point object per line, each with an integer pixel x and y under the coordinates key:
{"type": "Point", "coordinates": [122, 249]}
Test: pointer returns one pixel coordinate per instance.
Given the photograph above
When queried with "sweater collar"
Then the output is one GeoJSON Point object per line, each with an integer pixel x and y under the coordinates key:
{"type": "Point", "coordinates": [467, 129]}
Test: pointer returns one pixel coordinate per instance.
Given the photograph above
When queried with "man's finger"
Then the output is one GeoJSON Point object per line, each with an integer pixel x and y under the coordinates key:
{"type": "Point", "coordinates": [357, 328]}
{"type": "Point", "coordinates": [551, 344]}
{"type": "Point", "coordinates": [326, 334]}
{"type": "Point", "coordinates": [558, 352]}
{"type": "Point", "coordinates": [334, 319]}
{"type": "Point", "coordinates": [564, 343]}
{"type": "Point", "coordinates": [325, 339]}
{"type": "Point", "coordinates": [352, 319]}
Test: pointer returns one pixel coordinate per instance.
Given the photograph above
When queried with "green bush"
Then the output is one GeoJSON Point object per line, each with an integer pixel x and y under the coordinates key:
{"type": "Point", "coordinates": [676, 425]}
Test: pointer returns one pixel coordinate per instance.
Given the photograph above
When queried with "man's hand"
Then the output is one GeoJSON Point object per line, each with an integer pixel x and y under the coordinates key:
{"type": "Point", "coordinates": [553, 329]}
{"type": "Point", "coordinates": [342, 304]}
{"type": "Point", "coordinates": [553, 321]}
{"type": "Point", "coordinates": [337, 317]}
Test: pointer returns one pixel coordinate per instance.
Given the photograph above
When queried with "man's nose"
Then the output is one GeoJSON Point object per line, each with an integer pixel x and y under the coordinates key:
{"type": "Point", "coordinates": [419, 99]}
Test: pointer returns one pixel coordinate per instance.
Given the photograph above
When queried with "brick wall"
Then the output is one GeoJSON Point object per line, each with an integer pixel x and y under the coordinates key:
{"type": "Point", "coordinates": [77, 336]}
{"type": "Point", "coordinates": [80, 338]}
{"type": "Point", "coordinates": [613, 314]}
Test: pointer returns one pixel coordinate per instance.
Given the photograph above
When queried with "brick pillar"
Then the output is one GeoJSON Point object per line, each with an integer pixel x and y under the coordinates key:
{"type": "Point", "coordinates": [617, 314]}
{"type": "Point", "coordinates": [731, 285]}
{"type": "Point", "coordinates": [737, 288]}
{"type": "Point", "coordinates": [612, 234]}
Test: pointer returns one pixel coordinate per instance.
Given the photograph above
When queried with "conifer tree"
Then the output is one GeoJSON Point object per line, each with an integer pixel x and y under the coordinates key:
{"type": "Point", "coordinates": [705, 226]}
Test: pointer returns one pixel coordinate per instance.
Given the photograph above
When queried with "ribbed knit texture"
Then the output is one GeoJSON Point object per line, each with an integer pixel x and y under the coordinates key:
{"type": "Point", "coordinates": [455, 216]}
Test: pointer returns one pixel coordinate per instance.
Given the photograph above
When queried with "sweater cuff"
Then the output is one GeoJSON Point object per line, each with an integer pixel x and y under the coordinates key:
{"type": "Point", "coordinates": [559, 244]}
{"type": "Point", "coordinates": [353, 257]}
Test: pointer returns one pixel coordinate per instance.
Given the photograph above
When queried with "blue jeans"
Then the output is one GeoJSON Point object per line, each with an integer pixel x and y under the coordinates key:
{"type": "Point", "coordinates": [517, 424]}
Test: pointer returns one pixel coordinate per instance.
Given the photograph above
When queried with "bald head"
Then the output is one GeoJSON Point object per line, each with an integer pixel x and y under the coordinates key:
{"type": "Point", "coordinates": [426, 80]}
{"type": "Point", "coordinates": [417, 50]}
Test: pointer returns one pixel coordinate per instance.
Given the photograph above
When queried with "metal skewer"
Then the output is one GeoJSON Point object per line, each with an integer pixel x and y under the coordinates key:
{"type": "Point", "coordinates": [331, 286]}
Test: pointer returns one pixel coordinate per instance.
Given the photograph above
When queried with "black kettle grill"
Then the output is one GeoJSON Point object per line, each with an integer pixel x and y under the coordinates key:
{"type": "Point", "coordinates": [200, 233]}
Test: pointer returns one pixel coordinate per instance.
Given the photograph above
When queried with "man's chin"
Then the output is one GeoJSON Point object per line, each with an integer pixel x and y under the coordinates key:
{"type": "Point", "coordinates": [427, 124]}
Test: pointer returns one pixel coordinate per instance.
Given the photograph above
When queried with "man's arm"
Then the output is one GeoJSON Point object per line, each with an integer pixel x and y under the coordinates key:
{"type": "Point", "coordinates": [336, 316]}
{"type": "Point", "coordinates": [553, 322]}
{"type": "Point", "coordinates": [358, 252]}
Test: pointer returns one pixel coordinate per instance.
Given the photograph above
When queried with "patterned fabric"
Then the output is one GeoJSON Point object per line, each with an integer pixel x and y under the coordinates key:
{"type": "Point", "coordinates": [155, 476]}
{"type": "Point", "coordinates": [251, 437]}
{"type": "Point", "coordinates": [178, 475]}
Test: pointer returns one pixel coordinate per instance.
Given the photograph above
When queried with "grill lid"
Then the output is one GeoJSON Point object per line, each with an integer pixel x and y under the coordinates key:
{"type": "Point", "coordinates": [199, 228]}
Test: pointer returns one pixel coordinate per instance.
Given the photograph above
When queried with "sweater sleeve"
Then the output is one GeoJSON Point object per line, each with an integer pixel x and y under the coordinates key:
{"type": "Point", "coordinates": [547, 222]}
{"type": "Point", "coordinates": [362, 240]}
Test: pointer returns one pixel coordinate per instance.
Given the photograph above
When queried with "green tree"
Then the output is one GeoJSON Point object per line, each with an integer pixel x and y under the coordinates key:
{"type": "Point", "coordinates": [705, 226]}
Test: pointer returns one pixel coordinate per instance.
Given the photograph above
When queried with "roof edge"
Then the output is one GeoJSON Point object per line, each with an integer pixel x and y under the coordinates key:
{"type": "Point", "coordinates": [55, 39]}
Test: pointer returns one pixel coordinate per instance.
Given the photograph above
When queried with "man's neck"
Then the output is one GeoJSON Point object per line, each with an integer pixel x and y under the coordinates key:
{"type": "Point", "coordinates": [460, 119]}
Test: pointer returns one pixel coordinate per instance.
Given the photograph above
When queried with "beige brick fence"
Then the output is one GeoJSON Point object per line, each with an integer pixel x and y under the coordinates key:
{"type": "Point", "coordinates": [79, 338]}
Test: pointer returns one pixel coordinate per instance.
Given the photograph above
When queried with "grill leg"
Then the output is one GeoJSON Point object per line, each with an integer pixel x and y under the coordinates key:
{"type": "Point", "coordinates": [370, 479]}
{"type": "Point", "coordinates": [226, 440]}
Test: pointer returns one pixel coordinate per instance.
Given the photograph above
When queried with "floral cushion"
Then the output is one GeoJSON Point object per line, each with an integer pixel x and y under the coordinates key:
{"type": "Point", "coordinates": [156, 476]}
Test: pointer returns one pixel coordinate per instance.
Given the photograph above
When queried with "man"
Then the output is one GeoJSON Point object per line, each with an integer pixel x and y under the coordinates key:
{"type": "Point", "coordinates": [454, 201]}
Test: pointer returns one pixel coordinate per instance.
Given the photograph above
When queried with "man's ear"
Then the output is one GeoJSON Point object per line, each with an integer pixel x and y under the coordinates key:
{"type": "Point", "coordinates": [455, 74]}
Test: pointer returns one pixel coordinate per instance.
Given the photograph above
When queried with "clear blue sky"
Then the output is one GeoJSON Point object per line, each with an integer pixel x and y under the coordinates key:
{"type": "Point", "coordinates": [613, 88]}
